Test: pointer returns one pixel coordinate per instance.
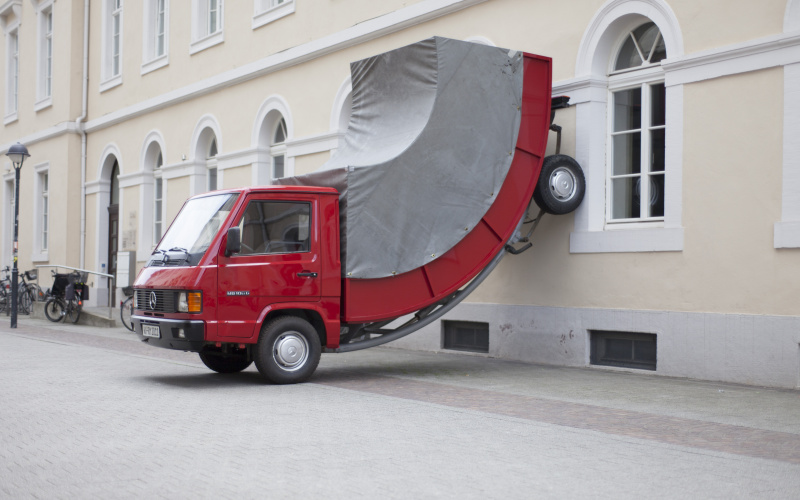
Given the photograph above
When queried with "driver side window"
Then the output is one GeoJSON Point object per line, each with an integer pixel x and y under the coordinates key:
{"type": "Point", "coordinates": [275, 227]}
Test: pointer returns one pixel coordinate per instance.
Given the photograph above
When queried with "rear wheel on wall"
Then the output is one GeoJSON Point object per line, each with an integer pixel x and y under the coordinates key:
{"type": "Point", "coordinates": [561, 185]}
{"type": "Point", "coordinates": [288, 350]}
{"type": "Point", "coordinates": [225, 363]}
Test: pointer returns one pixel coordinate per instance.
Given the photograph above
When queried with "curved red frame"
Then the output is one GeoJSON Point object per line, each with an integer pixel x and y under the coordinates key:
{"type": "Point", "coordinates": [369, 300]}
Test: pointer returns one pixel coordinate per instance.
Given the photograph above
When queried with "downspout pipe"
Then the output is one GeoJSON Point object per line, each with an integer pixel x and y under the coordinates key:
{"type": "Point", "coordinates": [79, 123]}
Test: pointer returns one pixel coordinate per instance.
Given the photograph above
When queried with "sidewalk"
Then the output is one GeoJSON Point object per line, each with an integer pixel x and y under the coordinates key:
{"type": "Point", "coordinates": [386, 422]}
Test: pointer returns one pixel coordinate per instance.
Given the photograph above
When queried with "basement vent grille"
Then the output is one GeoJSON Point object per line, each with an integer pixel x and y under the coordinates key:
{"type": "Point", "coordinates": [465, 336]}
{"type": "Point", "coordinates": [623, 349]}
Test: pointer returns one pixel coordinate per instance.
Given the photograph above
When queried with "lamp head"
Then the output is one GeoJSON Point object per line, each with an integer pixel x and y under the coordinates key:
{"type": "Point", "coordinates": [17, 154]}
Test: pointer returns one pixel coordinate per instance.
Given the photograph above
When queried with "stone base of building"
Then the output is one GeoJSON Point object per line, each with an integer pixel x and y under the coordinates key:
{"type": "Point", "coordinates": [738, 348]}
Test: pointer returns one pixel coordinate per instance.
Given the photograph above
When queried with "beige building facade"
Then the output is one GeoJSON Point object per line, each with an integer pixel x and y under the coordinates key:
{"type": "Point", "coordinates": [685, 117]}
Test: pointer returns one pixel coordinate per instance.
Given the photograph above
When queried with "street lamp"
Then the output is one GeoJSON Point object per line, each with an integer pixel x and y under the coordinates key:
{"type": "Point", "coordinates": [17, 154]}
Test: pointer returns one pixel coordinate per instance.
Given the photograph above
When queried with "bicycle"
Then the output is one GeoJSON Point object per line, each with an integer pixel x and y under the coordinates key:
{"type": "Point", "coordinates": [66, 302]}
{"type": "Point", "coordinates": [126, 308]}
{"type": "Point", "coordinates": [25, 295]}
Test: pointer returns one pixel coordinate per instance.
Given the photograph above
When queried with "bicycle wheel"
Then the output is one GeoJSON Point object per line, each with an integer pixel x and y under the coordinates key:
{"type": "Point", "coordinates": [4, 300]}
{"type": "Point", "coordinates": [73, 310]}
{"type": "Point", "coordinates": [125, 313]}
{"type": "Point", "coordinates": [54, 309]}
{"type": "Point", "coordinates": [23, 301]}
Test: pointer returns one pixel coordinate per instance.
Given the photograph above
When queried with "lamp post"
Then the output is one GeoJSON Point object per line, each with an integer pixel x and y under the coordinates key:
{"type": "Point", "coordinates": [17, 154]}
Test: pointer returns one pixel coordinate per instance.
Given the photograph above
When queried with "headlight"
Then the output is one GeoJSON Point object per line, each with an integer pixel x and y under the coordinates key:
{"type": "Point", "coordinates": [191, 302]}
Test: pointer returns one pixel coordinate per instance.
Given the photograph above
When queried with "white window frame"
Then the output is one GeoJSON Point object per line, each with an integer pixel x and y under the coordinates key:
{"type": "Point", "coordinates": [202, 37]}
{"type": "Point", "coordinates": [12, 73]}
{"type": "Point", "coordinates": [267, 11]}
{"type": "Point", "coordinates": [41, 212]}
{"type": "Point", "coordinates": [278, 149]}
{"type": "Point", "coordinates": [155, 24]}
{"type": "Point", "coordinates": [642, 80]}
{"type": "Point", "coordinates": [158, 214]}
{"type": "Point", "coordinates": [590, 95]}
{"type": "Point", "coordinates": [112, 47]}
{"type": "Point", "coordinates": [45, 46]}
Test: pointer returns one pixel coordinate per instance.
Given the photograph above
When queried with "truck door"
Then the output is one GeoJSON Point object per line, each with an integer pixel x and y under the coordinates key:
{"type": "Point", "coordinates": [279, 261]}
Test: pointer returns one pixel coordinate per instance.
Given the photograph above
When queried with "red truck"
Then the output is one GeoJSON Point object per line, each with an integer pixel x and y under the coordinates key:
{"type": "Point", "coordinates": [444, 152]}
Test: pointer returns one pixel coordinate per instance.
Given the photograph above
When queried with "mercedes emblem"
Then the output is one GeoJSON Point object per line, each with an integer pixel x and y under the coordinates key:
{"type": "Point", "coordinates": [153, 300]}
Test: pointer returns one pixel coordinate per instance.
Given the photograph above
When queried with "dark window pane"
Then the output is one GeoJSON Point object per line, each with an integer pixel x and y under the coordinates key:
{"type": "Point", "coordinates": [277, 167]}
{"type": "Point", "coordinates": [271, 227]}
{"type": "Point", "coordinates": [656, 196]}
{"type": "Point", "coordinates": [624, 198]}
{"type": "Point", "coordinates": [658, 107]}
{"type": "Point", "coordinates": [628, 56]}
{"type": "Point", "coordinates": [627, 154]}
{"type": "Point", "coordinates": [657, 150]}
{"type": "Point", "coordinates": [628, 109]}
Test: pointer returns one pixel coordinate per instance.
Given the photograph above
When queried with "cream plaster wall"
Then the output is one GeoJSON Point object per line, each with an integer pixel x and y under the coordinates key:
{"type": "Point", "coordinates": [309, 163]}
{"type": "Point", "coordinates": [731, 175]}
{"type": "Point", "coordinates": [237, 177]}
{"type": "Point", "coordinates": [178, 190]}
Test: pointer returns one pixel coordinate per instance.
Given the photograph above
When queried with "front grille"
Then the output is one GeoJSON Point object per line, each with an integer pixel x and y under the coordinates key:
{"type": "Point", "coordinates": [164, 300]}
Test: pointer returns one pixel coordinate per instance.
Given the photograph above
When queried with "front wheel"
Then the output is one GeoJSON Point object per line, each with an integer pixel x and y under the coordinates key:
{"type": "Point", "coordinates": [125, 313]}
{"type": "Point", "coordinates": [54, 309]}
{"type": "Point", "coordinates": [288, 350]}
{"type": "Point", "coordinates": [561, 185]}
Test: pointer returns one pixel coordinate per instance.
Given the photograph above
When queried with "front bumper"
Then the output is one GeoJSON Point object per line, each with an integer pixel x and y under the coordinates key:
{"type": "Point", "coordinates": [178, 334]}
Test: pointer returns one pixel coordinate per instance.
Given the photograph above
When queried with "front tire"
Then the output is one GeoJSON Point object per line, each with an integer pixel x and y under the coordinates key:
{"type": "Point", "coordinates": [561, 185]}
{"type": "Point", "coordinates": [288, 350]}
{"type": "Point", "coordinates": [54, 309]}
{"type": "Point", "coordinates": [222, 363]}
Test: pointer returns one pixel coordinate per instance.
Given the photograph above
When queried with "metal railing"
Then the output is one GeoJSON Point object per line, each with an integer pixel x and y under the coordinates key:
{"type": "Point", "coordinates": [109, 276]}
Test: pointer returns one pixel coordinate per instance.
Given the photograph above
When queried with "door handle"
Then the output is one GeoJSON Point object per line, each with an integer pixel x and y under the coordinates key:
{"type": "Point", "coordinates": [307, 274]}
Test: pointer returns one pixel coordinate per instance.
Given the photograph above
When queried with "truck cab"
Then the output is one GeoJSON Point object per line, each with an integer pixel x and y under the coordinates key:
{"type": "Point", "coordinates": [235, 261]}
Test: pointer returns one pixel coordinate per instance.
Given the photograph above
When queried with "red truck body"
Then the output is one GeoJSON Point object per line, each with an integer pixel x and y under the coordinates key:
{"type": "Point", "coordinates": [242, 293]}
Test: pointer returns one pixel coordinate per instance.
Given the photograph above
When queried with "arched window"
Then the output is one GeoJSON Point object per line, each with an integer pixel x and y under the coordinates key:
{"type": "Point", "coordinates": [158, 199]}
{"type": "Point", "coordinates": [637, 107]}
{"type": "Point", "coordinates": [211, 163]}
{"type": "Point", "coordinates": [278, 150]}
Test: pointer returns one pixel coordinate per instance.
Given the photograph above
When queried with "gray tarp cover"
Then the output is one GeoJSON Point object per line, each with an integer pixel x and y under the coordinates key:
{"type": "Point", "coordinates": [430, 141]}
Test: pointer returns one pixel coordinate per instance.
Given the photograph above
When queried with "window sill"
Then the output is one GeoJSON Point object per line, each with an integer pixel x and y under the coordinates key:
{"type": "Point", "coordinates": [634, 240]}
{"type": "Point", "coordinates": [43, 104]}
{"type": "Point", "coordinates": [110, 83]}
{"type": "Point", "coordinates": [273, 14]}
{"type": "Point", "coordinates": [206, 42]}
{"type": "Point", "coordinates": [787, 234]}
{"type": "Point", "coordinates": [155, 64]}
{"type": "Point", "coordinates": [39, 257]}
{"type": "Point", "coordinates": [10, 118]}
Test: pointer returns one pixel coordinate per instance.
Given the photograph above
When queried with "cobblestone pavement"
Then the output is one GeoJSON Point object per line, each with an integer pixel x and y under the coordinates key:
{"type": "Point", "coordinates": [90, 412]}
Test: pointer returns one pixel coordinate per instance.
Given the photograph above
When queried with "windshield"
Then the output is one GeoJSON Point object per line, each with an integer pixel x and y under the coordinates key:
{"type": "Point", "coordinates": [190, 235]}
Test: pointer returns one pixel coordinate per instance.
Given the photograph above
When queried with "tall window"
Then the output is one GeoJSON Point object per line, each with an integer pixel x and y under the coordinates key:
{"type": "Point", "coordinates": [155, 35]}
{"type": "Point", "coordinates": [160, 28]}
{"type": "Point", "coordinates": [207, 24]}
{"type": "Point", "coordinates": [45, 194]}
{"type": "Point", "coordinates": [212, 165]}
{"type": "Point", "coordinates": [158, 198]}
{"type": "Point", "coordinates": [45, 89]}
{"type": "Point", "coordinates": [637, 130]}
{"type": "Point", "coordinates": [111, 69]}
{"type": "Point", "coordinates": [12, 87]}
{"type": "Point", "coordinates": [116, 34]}
{"type": "Point", "coordinates": [278, 150]}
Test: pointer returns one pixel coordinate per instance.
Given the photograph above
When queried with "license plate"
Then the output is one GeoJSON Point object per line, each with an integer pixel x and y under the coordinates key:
{"type": "Point", "coordinates": [151, 331]}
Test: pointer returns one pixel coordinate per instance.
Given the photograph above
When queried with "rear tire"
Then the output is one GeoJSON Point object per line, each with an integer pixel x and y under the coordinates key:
{"type": "Point", "coordinates": [54, 309]}
{"type": "Point", "coordinates": [561, 185]}
{"type": "Point", "coordinates": [288, 350]}
{"type": "Point", "coordinates": [222, 363]}
{"type": "Point", "coordinates": [74, 311]}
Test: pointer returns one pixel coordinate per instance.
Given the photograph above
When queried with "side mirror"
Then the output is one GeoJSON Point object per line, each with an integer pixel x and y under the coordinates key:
{"type": "Point", "coordinates": [234, 244]}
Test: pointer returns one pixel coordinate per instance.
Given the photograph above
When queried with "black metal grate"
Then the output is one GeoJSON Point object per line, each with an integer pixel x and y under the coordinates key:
{"type": "Point", "coordinates": [624, 349]}
{"type": "Point", "coordinates": [465, 336]}
{"type": "Point", "coordinates": [164, 300]}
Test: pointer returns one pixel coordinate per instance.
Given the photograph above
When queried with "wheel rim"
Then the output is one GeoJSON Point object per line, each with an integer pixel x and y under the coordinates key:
{"type": "Point", "coordinates": [290, 351]}
{"type": "Point", "coordinates": [563, 184]}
